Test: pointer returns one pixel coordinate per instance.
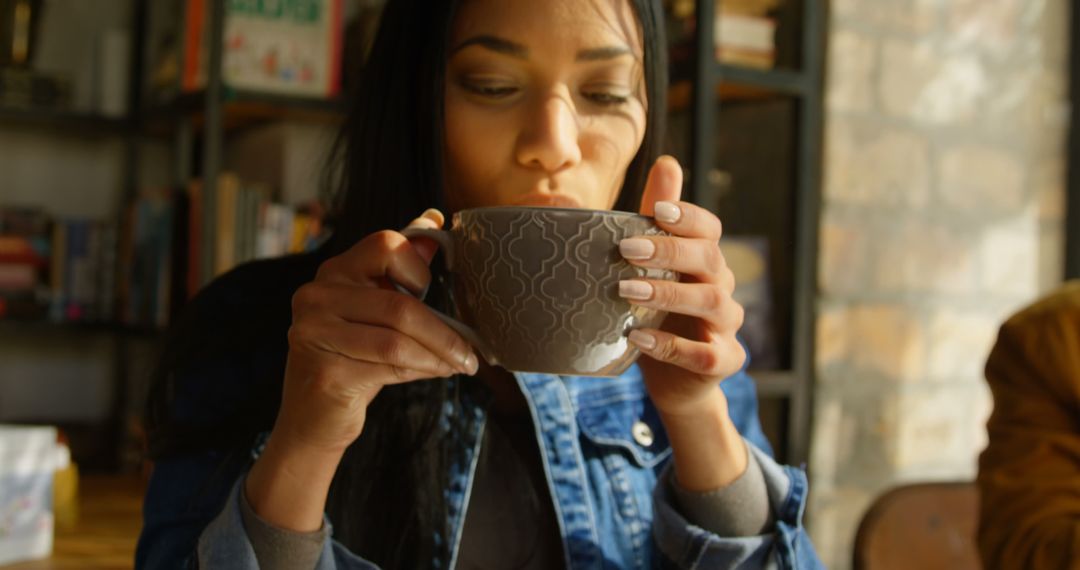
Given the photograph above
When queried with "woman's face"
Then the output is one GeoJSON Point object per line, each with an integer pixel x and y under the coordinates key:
{"type": "Point", "coordinates": [545, 102]}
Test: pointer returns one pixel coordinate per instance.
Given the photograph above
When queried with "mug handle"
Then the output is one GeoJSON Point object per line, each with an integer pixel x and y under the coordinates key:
{"type": "Point", "coordinates": [443, 238]}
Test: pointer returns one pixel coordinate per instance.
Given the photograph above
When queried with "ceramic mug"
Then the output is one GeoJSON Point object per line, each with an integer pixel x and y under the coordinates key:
{"type": "Point", "coordinates": [537, 288]}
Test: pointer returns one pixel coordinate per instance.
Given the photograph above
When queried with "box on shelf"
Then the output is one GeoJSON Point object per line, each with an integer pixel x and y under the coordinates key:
{"type": "Point", "coordinates": [29, 458]}
{"type": "Point", "coordinates": [291, 47]}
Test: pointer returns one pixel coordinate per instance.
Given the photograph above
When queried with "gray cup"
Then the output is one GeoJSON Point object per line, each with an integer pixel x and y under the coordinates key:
{"type": "Point", "coordinates": [537, 289]}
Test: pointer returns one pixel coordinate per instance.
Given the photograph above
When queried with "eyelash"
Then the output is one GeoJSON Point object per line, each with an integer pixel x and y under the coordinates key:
{"type": "Point", "coordinates": [496, 92]}
{"type": "Point", "coordinates": [608, 99]}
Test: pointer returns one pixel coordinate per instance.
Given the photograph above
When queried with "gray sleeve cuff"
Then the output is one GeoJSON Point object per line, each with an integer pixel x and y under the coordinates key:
{"type": "Point", "coordinates": [738, 509]}
{"type": "Point", "coordinates": [277, 548]}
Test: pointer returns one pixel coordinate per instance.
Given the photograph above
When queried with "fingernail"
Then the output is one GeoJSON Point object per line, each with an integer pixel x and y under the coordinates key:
{"type": "Point", "coordinates": [643, 339]}
{"type": "Point", "coordinates": [632, 289]}
{"type": "Point", "coordinates": [469, 364]}
{"type": "Point", "coordinates": [667, 212]}
{"type": "Point", "coordinates": [636, 248]}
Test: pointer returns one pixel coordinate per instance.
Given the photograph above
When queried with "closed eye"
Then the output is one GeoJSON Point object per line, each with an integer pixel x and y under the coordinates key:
{"type": "Point", "coordinates": [607, 99]}
{"type": "Point", "coordinates": [491, 91]}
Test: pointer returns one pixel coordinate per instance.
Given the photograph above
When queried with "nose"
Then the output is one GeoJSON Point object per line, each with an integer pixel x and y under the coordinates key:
{"type": "Point", "coordinates": [550, 137]}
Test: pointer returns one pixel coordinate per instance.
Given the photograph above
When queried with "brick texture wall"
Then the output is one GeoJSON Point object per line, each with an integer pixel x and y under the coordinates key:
{"type": "Point", "coordinates": [943, 195]}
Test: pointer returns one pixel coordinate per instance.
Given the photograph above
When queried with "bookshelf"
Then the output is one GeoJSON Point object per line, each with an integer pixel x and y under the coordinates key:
{"type": "Point", "coordinates": [84, 124]}
{"type": "Point", "coordinates": [192, 125]}
{"type": "Point", "coordinates": [750, 141]}
{"type": "Point", "coordinates": [707, 98]}
{"type": "Point", "coordinates": [96, 444]}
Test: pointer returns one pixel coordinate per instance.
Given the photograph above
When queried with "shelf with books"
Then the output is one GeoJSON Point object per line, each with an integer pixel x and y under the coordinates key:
{"type": "Point", "coordinates": [166, 255]}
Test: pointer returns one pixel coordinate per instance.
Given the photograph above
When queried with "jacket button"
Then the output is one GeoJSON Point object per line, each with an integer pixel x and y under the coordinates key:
{"type": "Point", "coordinates": [643, 434]}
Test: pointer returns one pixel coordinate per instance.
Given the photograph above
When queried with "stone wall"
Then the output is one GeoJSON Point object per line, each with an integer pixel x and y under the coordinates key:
{"type": "Point", "coordinates": [943, 199]}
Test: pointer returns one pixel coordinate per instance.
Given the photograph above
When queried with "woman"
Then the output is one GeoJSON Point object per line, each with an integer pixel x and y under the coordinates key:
{"type": "Point", "coordinates": [305, 397]}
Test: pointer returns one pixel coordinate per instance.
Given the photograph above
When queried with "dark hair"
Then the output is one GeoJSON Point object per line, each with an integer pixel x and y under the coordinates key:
{"type": "Point", "coordinates": [390, 151]}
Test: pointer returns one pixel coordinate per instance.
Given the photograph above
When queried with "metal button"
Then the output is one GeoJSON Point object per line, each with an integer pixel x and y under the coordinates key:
{"type": "Point", "coordinates": [643, 434]}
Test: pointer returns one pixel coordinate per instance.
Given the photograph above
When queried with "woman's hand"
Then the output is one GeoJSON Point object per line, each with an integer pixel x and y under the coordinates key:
{"type": "Point", "coordinates": [696, 347]}
{"type": "Point", "coordinates": [351, 334]}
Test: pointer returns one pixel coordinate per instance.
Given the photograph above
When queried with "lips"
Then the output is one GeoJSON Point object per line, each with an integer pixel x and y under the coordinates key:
{"type": "Point", "coordinates": [549, 200]}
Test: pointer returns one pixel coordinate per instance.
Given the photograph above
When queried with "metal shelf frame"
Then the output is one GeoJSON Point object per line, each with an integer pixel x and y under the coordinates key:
{"type": "Point", "coordinates": [806, 86]}
{"type": "Point", "coordinates": [1072, 199]}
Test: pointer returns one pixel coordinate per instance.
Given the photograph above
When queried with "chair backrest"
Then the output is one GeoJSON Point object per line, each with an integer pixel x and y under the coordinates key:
{"type": "Point", "coordinates": [923, 526]}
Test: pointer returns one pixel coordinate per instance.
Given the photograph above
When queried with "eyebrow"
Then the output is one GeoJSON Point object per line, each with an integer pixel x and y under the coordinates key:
{"type": "Point", "coordinates": [512, 49]}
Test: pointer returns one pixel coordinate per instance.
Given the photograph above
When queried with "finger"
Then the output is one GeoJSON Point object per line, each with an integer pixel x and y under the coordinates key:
{"type": "Point", "coordinates": [381, 255]}
{"type": "Point", "coordinates": [431, 219]}
{"type": "Point", "coordinates": [687, 220]}
{"type": "Point", "coordinates": [388, 309]}
{"type": "Point", "coordinates": [712, 360]}
{"type": "Point", "coordinates": [404, 358]}
{"type": "Point", "coordinates": [705, 301]}
{"type": "Point", "coordinates": [700, 258]}
{"type": "Point", "coordinates": [663, 184]}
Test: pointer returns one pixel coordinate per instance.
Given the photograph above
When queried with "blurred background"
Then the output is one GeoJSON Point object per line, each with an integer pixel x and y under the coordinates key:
{"type": "Point", "coordinates": [893, 178]}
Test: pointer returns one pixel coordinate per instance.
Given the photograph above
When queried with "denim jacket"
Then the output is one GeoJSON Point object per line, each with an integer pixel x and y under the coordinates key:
{"type": "Point", "coordinates": [611, 510]}
{"type": "Point", "coordinates": [609, 490]}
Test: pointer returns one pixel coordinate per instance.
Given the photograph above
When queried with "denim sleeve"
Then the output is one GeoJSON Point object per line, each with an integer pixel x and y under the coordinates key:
{"type": "Point", "coordinates": [225, 543]}
{"type": "Point", "coordinates": [683, 545]}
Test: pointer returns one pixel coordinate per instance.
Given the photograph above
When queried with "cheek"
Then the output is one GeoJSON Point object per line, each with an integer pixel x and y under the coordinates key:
{"type": "Point", "coordinates": [473, 151]}
{"type": "Point", "coordinates": [613, 146]}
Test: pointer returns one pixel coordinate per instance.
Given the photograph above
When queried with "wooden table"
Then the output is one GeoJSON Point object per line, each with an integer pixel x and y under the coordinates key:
{"type": "Point", "coordinates": [110, 517]}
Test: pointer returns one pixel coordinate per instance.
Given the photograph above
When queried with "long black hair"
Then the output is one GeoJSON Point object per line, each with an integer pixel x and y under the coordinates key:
{"type": "Point", "coordinates": [387, 501]}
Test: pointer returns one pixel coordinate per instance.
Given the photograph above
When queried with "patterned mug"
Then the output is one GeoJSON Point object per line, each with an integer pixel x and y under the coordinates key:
{"type": "Point", "coordinates": [536, 288]}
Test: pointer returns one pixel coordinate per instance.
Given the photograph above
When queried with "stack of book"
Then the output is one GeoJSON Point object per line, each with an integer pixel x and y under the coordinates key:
{"type": "Point", "coordinates": [745, 33]}
{"type": "Point", "coordinates": [24, 263]}
{"type": "Point", "coordinates": [57, 269]}
{"type": "Point", "coordinates": [163, 247]}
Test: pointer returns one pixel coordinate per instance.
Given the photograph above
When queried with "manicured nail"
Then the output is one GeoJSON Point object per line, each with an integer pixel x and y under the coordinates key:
{"type": "Point", "coordinates": [667, 212]}
{"type": "Point", "coordinates": [643, 339]}
{"type": "Point", "coordinates": [633, 289]}
{"type": "Point", "coordinates": [636, 248]}
{"type": "Point", "coordinates": [470, 364]}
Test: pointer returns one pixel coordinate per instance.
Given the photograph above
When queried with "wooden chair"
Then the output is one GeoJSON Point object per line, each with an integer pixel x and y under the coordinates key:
{"type": "Point", "coordinates": [923, 526]}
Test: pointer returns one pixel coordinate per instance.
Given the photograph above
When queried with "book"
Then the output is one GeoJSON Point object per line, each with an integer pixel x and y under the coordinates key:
{"type": "Point", "coordinates": [18, 277]}
{"type": "Point", "coordinates": [225, 200]}
{"type": "Point", "coordinates": [146, 260]}
{"type": "Point", "coordinates": [78, 272]}
{"type": "Point", "coordinates": [748, 7]}
{"type": "Point", "coordinates": [745, 40]}
{"type": "Point", "coordinates": [291, 47]}
{"type": "Point", "coordinates": [748, 259]}
{"type": "Point", "coordinates": [57, 275]}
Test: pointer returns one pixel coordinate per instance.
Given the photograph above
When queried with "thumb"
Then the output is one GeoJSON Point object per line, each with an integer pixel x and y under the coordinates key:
{"type": "Point", "coordinates": [431, 219]}
{"type": "Point", "coordinates": [664, 184]}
